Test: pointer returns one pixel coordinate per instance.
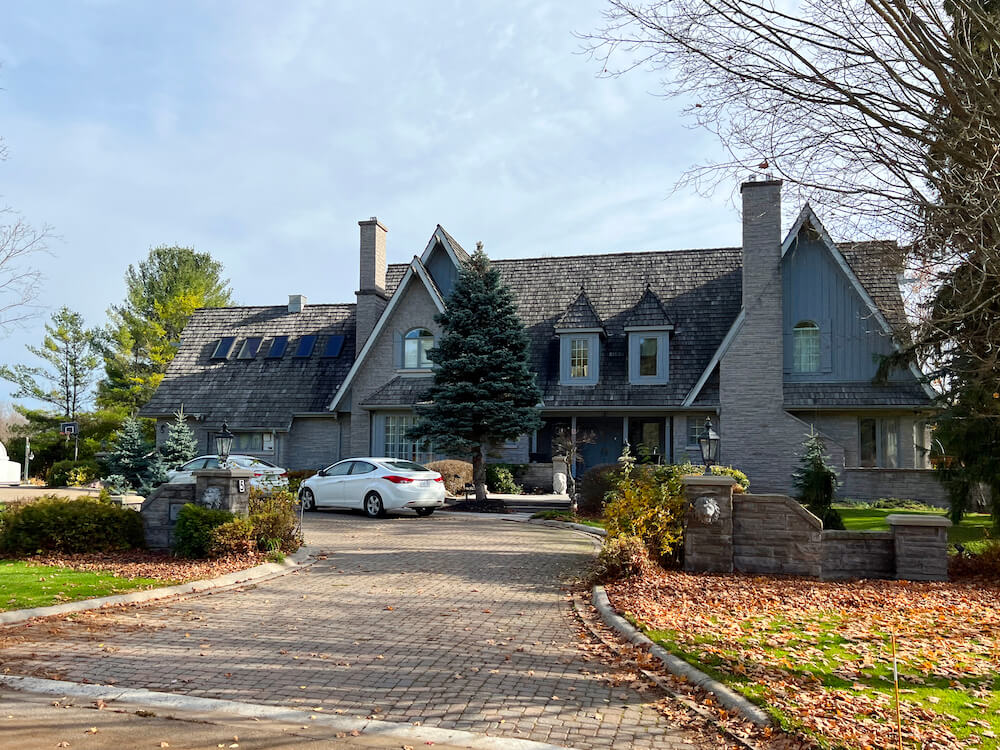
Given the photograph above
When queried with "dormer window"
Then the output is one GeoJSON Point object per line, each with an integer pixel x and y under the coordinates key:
{"type": "Point", "coordinates": [579, 357]}
{"type": "Point", "coordinates": [805, 347]}
{"type": "Point", "coordinates": [648, 355]}
{"type": "Point", "coordinates": [416, 344]}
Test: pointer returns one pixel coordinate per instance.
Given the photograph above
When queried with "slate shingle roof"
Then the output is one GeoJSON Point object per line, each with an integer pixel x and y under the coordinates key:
{"type": "Point", "coordinates": [579, 314]}
{"type": "Point", "coordinates": [459, 250]}
{"type": "Point", "coordinates": [648, 311]}
{"type": "Point", "coordinates": [850, 395]}
{"type": "Point", "coordinates": [260, 392]}
{"type": "Point", "coordinates": [400, 391]}
{"type": "Point", "coordinates": [875, 265]}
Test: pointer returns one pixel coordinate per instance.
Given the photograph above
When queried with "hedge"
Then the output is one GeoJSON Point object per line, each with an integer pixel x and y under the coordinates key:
{"type": "Point", "coordinates": [59, 524]}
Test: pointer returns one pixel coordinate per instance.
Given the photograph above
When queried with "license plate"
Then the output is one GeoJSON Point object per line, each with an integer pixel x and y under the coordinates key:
{"type": "Point", "coordinates": [425, 482]}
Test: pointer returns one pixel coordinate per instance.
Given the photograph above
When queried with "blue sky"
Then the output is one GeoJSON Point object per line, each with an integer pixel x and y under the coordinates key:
{"type": "Point", "coordinates": [261, 132]}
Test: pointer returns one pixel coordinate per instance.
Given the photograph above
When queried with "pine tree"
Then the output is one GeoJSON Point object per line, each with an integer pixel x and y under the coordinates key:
{"type": "Point", "coordinates": [181, 445]}
{"type": "Point", "coordinates": [816, 481]}
{"type": "Point", "coordinates": [484, 392]}
{"type": "Point", "coordinates": [130, 454]}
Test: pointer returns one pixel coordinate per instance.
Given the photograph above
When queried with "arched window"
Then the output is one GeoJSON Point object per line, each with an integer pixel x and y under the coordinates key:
{"type": "Point", "coordinates": [416, 344]}
{"type": "Point", "coordinates": [805, 343]}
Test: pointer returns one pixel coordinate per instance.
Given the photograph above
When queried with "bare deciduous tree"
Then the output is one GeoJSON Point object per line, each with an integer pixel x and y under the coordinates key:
{"type": "Point", "coordinates": [884, 113]}
{"type": "Point", "coordinates": [19, 280]}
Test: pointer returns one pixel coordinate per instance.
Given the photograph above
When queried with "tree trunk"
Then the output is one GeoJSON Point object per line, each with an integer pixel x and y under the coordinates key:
{"type": "Point", "coordinates": [479, 474]}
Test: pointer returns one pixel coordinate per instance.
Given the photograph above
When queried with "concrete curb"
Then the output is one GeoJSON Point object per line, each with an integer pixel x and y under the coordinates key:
{"type": "Point", "coordinates": [257, 573]}
{"type": "Point", "coordinates": [369, 727]}
{"type": "Point", "coordinates": [679, 667]}
{"type": "Point", "coordinates": [592, 530]}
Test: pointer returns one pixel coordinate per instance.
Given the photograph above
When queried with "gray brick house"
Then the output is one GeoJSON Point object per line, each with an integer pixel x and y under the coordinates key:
{"type": "Point", "coordinates": [769, 338]}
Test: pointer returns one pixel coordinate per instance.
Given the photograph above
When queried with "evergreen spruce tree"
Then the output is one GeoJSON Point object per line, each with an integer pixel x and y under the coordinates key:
{"type": "Point", "coordinates": [130, 454]}
{"type": "Point", "coordinates": [181, 445]}
{"type": "Point", "coordinates": [484, 392]}
{"type": "Point", "coordinates": [816, 481]}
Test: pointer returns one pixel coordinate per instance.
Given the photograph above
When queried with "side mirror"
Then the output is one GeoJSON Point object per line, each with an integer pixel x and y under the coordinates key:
{"type": "Point", "coordinates": [321, 473]}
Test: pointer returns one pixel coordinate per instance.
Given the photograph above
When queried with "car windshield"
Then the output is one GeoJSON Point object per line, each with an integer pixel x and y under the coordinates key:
{"type": "Point", "coordinates": [250, 462]}
{"type": "Point", "coordinates": [405, 466]}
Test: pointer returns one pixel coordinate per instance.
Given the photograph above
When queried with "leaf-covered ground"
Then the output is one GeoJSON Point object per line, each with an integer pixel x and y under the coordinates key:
{"type": "Point", "coordinates": [54, 579]}
{"type": "Point", "coordinates": [817, 654]}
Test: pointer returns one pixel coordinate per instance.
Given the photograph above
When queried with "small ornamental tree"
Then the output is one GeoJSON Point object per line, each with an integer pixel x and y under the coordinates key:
{"type": "Point", "coordinates": [131, 456]}
{"type": "Point", "coordinates": [181, 445]}
{"type": "Point", "coordinates": [484, 393]}
{"type": "Point", "coordinates": [816, 481]}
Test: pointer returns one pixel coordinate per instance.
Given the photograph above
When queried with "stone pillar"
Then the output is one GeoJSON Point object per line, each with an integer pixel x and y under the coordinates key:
{"type": "Point", "coordinates": [708, 521]}
{"type": "Point", "coordinates": [921, 544]}
{"type": "Point", "coordinates": [225, 489]}
{"type": "Point", "coordinates": [559, 475]}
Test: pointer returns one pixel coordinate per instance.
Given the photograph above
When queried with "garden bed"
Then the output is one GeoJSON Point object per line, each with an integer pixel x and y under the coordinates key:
{"type": "Point", "coordinates": [817, 654]}
{"type": "Point", "coordinates": [40, 581]}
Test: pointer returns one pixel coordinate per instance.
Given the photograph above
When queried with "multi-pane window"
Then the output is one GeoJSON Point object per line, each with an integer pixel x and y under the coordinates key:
{"type": "Point", "coordinates": [805, 347]}
{"type": "Point", "coordinates": [416, 344]}
{"type": "Point", "coordinates": [878, 442]}
{"type": "Point", "coordinates": [579, 358]}
{"type": "Point", "coordinates": [253, 442]}
{"type": "Point", "coordinates": [397, 445]}
{"type": "Point", "coordinates": [695, 430]}
{"type": "Point", "coordinates": [648, 347]}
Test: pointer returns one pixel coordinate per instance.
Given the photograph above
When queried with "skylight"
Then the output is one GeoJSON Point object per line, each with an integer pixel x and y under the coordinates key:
{"type": "Point", "coordinates": [306, 344]}
{"type": "Point", "coordinates": [250, 348]}
{"type": "Point", "coordinates": [278, 346]}
{"type": "Point", "coordinates": [223, 347]}
{"type": "Point", "coordinates": [333, 346]}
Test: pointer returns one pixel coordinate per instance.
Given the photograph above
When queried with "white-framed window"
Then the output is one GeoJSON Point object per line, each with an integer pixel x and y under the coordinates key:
{"type": "Point", "coordinates": [253, 442]}
{"type": "Point", "coordinates": [579, 358]}
{"type": "Point", "coordinates": [805, 347]}
{"type": "Point", "coordinates": [878, 442]}
{"type": "Point", "coordinates": [695, 430]}
{"type": "Point", "coordinates": [416, 344]}
{"type": "Point", "coordinates": [395, 444]}
{"type": "Point", "coordinates": [649, 357]}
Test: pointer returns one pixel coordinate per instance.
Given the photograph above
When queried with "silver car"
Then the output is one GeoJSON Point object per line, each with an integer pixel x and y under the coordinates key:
{"type": "Point", "coordinates": [266, 476]}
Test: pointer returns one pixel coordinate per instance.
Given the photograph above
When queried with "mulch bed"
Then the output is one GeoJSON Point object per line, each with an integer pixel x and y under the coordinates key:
{"type": "Point", "coordinates": [144, 564]}
{"type": "Point", "coordinates": [475, 506]}
{"type": "Point", "coordinates": [817, 652]}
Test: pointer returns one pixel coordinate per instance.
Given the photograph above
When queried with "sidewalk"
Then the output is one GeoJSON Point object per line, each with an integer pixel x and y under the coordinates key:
{"type": "Point", "coordinates": [41, 722]}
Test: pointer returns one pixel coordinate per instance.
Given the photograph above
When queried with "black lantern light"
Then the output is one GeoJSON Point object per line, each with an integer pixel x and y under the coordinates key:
{"type": "Point", "coordinates": [709, 444]}
{"type": "Point", "coordinates": [223, 444]}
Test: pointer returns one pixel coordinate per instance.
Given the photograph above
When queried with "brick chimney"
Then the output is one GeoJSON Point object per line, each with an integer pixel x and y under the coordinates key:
{"type": "Point", "coordinates": [761, 244]}
{"type": "Point", "coordinates": [371, 289]}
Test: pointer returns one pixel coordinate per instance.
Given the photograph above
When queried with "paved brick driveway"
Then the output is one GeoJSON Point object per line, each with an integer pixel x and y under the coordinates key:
{"type": "Point", "coordinates": [452, 621]}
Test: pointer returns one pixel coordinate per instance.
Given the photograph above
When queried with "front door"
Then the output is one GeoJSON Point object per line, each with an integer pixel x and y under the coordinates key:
{"type": "Point", "coordinates": [646, 437]}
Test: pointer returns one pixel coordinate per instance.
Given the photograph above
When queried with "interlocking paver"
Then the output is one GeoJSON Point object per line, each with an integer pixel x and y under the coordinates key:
{"type": "Point", "coordinates": [452, 621]}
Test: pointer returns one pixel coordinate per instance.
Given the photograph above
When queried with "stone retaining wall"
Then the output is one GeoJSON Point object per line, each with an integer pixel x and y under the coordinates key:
{"type": "Point", "coordinates": [774, 534]}
{"type": "Point", "coordinates": [159, 513]}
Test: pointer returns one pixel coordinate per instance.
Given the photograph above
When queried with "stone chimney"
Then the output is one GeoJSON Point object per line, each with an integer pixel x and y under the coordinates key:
{"type": "Point", "coordinates": [761, 244]}
{"type": "Point", "coordinates": [371, 289]}
{"type": "Point", "coordinates": [296, 303]}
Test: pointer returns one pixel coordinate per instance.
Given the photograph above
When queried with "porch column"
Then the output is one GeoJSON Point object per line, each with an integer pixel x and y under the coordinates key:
{"type": "Point", "coordinates": [624, 431]}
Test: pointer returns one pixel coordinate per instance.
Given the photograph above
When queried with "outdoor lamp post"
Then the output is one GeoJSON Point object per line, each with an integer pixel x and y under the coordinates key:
{"type": "Point", "coordinates": [709, 444]}
{"type": "Point", "coordinates": [223, 444]}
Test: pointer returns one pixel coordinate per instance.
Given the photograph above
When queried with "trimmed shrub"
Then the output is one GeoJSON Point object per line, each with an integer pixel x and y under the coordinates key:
{"type": "Point", "coordinates": [594, 486]}
{"type": "Point", "coordinates": [58, 524]}
{"type": "Point", "coordinates": [742, 482]}
{"type": "Point", "coordinates": [235, 537]}
{"type": "Point", "coordinates": [59, 474]}
{"type": "Point", "coordinates": [500, 479]}
{"type": "Point", "coordinates": [621, 556]}
{"type": "Point", "coordinates": [648, 502]}
{"type": "Point", "coordinates": [193, 532]}
{"type": "Point", "coordinates": [456, 474]}
{"type": "Point", "coordinates": [275, 520]}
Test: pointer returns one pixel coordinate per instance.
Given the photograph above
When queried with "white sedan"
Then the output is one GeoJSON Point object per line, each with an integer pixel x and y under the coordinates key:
{"type": "Point", "coordinates": [375, 485]}
{"type": "Point", "coordinates": [266, 476]}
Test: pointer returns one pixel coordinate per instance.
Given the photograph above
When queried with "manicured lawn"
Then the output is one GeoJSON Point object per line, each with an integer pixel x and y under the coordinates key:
{"type": "Point", "coordinates": [974, 526]}
{"type": "Point", "coordinates": [24, 585]}
{"type": "Point", "coordinates": [565, 515]}
{"type": "Point", "coordinates": [817, 654]}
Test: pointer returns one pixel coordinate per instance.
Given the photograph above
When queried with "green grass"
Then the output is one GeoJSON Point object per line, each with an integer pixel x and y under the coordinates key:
{"type": "Point", "coordinates": [23, 585]}
{"type": "Point", "coordinates": [974, 526]}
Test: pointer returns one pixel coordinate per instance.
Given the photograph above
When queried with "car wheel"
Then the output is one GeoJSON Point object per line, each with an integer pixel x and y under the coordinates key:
{"type": "Point", "coordinates": [373, 505]}
{"type": "Point", "coordinates": [424, 512]}
{"type": "Point", "coordinates": [308, 499]}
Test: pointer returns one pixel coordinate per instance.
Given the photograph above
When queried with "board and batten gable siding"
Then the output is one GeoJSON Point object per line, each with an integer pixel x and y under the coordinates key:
{"type": "Point", "coordinates": [415, 309]}
{"type": "Point", "coordinates": [851, 339]}
{"type": "Point", "coordinates": [442, 269]}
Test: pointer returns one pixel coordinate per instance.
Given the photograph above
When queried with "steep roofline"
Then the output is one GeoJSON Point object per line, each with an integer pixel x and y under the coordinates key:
{"type": "Point", "coordinates": [417, 269]}
{"type": "Point", "coordinates": [446, 240]}
{"type": "Point", "coordinates": [727, 340]}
